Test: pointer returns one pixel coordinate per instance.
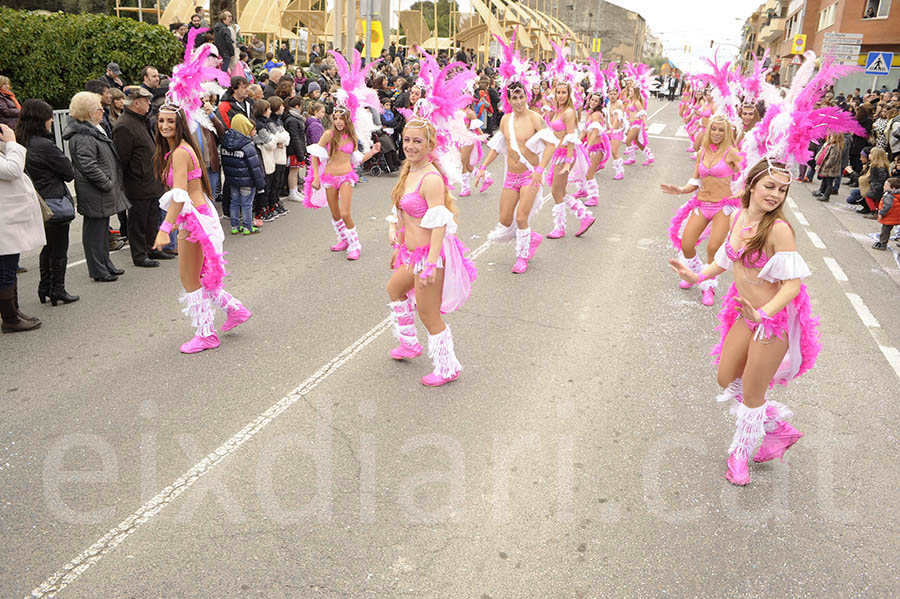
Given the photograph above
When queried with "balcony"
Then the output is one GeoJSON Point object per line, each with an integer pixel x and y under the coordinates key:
{"type": "Point", "coordinates": [772, 30]}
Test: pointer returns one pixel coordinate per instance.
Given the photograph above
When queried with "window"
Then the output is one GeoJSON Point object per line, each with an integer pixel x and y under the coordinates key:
{"type": "Point", "coordinates": [877, 9]}
{"type": "Point", "coordinates": [826, 17]}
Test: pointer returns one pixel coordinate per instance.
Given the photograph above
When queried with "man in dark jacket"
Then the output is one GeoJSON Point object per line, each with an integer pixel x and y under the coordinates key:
{"type": "Point", "coordinates": [295, 125]}
{"type": "Point", "coordinates": [235, 101]}
{"type": "Point", "coordinates": [224, 40]}
{"type": "Point", "coordinates": [142, 185]}
{"type": "Point", "coordinates": [113, 76]}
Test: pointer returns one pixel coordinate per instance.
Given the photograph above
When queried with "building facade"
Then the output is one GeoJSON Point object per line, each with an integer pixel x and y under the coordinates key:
{"type": "Point", "coordinates": [622, 32]}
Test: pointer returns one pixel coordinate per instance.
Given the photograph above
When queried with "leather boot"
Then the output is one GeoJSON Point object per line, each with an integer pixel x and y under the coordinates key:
{"type": "Point", "coordinates": [58, 291]}
{"type": "Point", "coordinates": [12, 321]}
{"type": "Point", "coordinates": [44, 285]}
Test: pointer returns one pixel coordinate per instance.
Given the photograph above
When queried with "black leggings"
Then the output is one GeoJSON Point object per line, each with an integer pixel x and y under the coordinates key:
{"type": "Point", "coordinates": [57, 240]}
{"type": "Point", "coordinates": [8, 264]}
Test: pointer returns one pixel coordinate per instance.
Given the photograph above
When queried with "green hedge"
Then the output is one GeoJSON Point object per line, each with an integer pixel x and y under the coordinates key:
{"type": "Point", "coordinates": [65, 50]}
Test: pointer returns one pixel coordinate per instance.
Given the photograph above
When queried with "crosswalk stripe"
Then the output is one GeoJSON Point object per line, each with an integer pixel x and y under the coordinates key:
{"type": "Point", "coordinates": [682, 132]}
{"type": "Point", "coordinates": [655, 128]}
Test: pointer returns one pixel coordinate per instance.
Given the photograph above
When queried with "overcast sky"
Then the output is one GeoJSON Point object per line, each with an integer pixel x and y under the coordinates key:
{"type": "Point", "coordinates": [680, 23]}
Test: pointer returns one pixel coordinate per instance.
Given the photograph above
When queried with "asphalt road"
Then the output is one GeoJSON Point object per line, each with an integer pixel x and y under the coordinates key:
{"type": "Point", "coordinates": [580, 454]}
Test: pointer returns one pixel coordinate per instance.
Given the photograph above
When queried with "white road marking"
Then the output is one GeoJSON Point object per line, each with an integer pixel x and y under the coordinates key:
{"type": "Point", "coordinates": [661, 108]}
{"type": "Point", "coordinates": [892, 356]}
{"type": "Point", "coordinates": [800, 218]}
{"type": "Point", "coordinates": [863, 311]}
{"type": "Point", "coordinates": [835, 269]}
{"type": "Point", "coordinates": [655, 128]}
{"type": "Point", "coordinates": [93, 554]}
{"type": "Point", "coordinates": [815, 239]}
{"type": "Point", "coordinates": [71, 264]}
{"type": "Point", "coordinates": [664, 137]}
{"type": "Point", "coordinates": [682, 132]}
{"type": "Point", "coordinates": [792, 204]}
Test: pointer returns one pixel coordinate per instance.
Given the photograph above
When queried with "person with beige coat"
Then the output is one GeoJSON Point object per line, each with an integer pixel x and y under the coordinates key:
{"type": "Point", "coordinates": [21, 229]}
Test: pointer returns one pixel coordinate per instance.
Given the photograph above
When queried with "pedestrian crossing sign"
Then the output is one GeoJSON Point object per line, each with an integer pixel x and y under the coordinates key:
{"type": "Point", "coordinates": [879, 63]}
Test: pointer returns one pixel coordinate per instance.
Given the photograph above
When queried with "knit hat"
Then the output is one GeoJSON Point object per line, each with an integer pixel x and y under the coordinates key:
{"type": "Point", "coordinates": [313, 87]}
{"type": "Point", "coordinates": [242, 124]}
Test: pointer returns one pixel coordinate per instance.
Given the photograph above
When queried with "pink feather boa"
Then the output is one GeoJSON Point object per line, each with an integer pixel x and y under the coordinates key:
{"type": "Point", "coordinates": [676, 227]}
{"type": "Point", "coordinates": [810, 345]}
{"type": "Point", "coordinates": [212, 271]}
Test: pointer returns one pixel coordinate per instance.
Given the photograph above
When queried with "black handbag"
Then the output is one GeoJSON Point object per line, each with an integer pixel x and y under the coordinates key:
{"type": "Point", "coordinates": [63, 209]}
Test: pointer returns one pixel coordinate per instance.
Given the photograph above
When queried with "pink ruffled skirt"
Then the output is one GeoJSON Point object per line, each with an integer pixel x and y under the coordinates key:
{"type": "Point", "coordinates": [459, 271]}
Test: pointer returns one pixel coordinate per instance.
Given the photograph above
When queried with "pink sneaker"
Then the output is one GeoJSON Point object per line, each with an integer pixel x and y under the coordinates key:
{"type": "Point", "coordinates": [198, 344]}
{"type": "Point", "coordinates": [581, 193]}
{"type": "Point", "coordinates": [520, 266]}
{"type": "Point", "coordinates": [708, 297]}
{"type": "Point", "coordinates": [435, 380]}
{"type": "Point", "coordinates": [590, 202]}
{"type": "Point", "coordinates": [777, 442]}
{"type": "Point", "coordinates": [619, 176]}
{"type": "Point", "coordinates": [536, 239]}
{"type": "Point", "coordinates": [465, 192]}
{"type": "Point", "coordinates": [340, 246]}
{"type": "Point", "coordinates": [353, 255]}
{"type": "Point", "coordinates": [629, 161]}
{"type": "Point", "coordinates": [737, 473]}
{"type": "Point", "coordinates": [647, 162]}
{"type": "Point", "coordinates": [557, 233]}
{"type": "Point", "coordinates": [403, 351]}
{"type": "Point", "coordinates": [488, 181]}
{"type": "Point", "coordinates": [684, 284]}
{"type": "Point", "coordinates": [585, 224]}
{"type": "Point", "coordinates": [236, 317]}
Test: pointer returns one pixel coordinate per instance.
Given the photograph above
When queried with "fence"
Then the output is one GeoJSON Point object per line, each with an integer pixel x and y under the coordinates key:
{"type": "Point", "coordinates": [59, 121]}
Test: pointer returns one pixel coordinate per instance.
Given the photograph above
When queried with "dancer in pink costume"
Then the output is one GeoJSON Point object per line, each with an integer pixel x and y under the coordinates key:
{"type": "Point", "coordinates": [201, 258]}
{"type": "Point", "coordinates": [636, 101]}
{"type": "Point", "coordinates": [596, 141]}
{"type": "Point", "coordinates": [616, 123]}
{"type": "Point", "coordinates": [333, 160]}
{"type": "Point", "coordinates": [525, 163]}
{"type": "Point", "coordinates": [777, 337]}
{"type": "Point", "coordinates": [711, 205]}
{"type": "Point", "coordinates": [471, 155]}
{"type": "Point", "coordinates": [432, 274]}
{"type": "Point", "coordinates": [569, 157]}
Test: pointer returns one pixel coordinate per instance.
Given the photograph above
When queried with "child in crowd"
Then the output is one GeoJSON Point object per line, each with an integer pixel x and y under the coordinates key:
{"type": "Point", "coordinates": [862, 183]}
{"type": "Point", "coordinates": [314, 125]}
{"type": "Point", "coordinates": [265, 143]}
{"type": "Point", "coordinates": [271, 63]}
{"type": "Point", "coordinates": [828, 160]}
{"type": "Point", "coordinates": [888, 211]}
{"type": "Point", "coordinates": [878, 174]}
{"type": "Point", "coordinates": [243, 173]}
{"type": "Point", "coordinates": [295, 124]}
{"type": "Point", "coordinates": [282, 138]}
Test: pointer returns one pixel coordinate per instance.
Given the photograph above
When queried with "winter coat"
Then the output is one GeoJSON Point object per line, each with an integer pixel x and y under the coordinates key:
{"type": "Point", "coordinates": [135, 149]}
{"type": "Point", "coordinates": [224, 40]}
{"type": "Point", "coordinates": [21, 224]}
{"type": "Point", "coordinates": [209, 144]}
{"type": "Point", "coordinates": [9, 111]}
{"type": "Point", "coordinates": [831, 163]}
{"type": "Point", "coordinates": [98, 175]}
{"type": "Point", "coordinates": [893, 134]}
{"type": "Point", "coordinates": [314, 130]}
{"type": "Point", "coordinates": [877, 176]}
{"type": "Point", "coordinates": [295, 125]}
{"type": "Point", "coordinates": [282, 137]}
{"type": "Point", "coordinates": [266, 143]}
{"type": "Point", "coordinates": [889, 208]}
{"type": "Point", "coordinates": [228, 107]}
{"type": "Point", "coordinates": [241, 163]}
{"type": "Point", "coordinates": [48, 167]}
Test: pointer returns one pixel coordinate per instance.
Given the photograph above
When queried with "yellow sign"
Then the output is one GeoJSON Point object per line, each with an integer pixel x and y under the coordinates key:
{"type": "Point", "coordinates": [595, 44]}
{"type": "Point", "coordinates": [799, 44]}
{"type": "Point", "coordinates": [377, 39]}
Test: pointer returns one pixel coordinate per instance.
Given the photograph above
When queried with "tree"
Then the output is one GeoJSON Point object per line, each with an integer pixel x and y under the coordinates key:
{"type": "Point", "coordinates": [443, 8]}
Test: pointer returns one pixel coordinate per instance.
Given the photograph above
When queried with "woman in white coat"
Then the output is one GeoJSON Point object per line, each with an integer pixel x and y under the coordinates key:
{"type": "Point", "coordinates": [21, 229]}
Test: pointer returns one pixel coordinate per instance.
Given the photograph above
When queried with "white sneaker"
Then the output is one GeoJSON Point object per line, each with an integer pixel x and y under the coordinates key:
{"type": "Point", "coordinates": [295, 197]}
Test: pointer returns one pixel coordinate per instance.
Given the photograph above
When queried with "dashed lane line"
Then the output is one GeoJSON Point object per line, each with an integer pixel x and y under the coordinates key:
{"type": "Point", "coordinates": [835, 269]}
{"type": "Point", "coordinates": [815, 239]}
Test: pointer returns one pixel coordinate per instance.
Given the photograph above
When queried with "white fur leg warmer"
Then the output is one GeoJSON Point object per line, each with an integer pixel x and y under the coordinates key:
{"type": "Point", "coordinates": [501, 232]}
{"type": "Point", "coordinates": [353, 240]}
{"type": "Point", "coordinates": [559, 215]}
{"type": "Point", "coordinates": [577, 207]}
{"type": "Point", "coordinates": [523, 242]}
{"type": "Point", "coordinates": [750, 429]}
{"type": "Point", "coordinates": [734, 390]}
{"type": "Point", "coordinates": [440, 350]}
{"type": "Point", "coordinates": [198, 308]}
{"type": "Point", "coordinates": [403, 318]}
{"type": "Point", "coordinates": [224, 300]}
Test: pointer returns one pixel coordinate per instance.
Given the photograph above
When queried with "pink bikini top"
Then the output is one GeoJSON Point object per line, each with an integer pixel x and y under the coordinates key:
{"type": "Point", "coordinates": [736, 256]}
{"type": "Point", "coordinates": [413, 203]}
{"type": "Point", "coordinates": [558, 125]}
{"type": "Point", "coordinates": [347, 148]}
{"type": "Point", "coordinates": [719, 170]}
{"type": "Point", "coordinates": [194, 174]}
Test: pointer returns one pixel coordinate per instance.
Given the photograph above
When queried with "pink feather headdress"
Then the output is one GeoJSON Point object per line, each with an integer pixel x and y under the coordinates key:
{"type": "Point", "coordinates": [639, 74]}
{"type": "Point", "coordinates": [612, 77]}
{"type": "Point", "coordinates": [514, 69]}
{"type": "Point", "coordinates": [597, 76]}
{"type": "Point", "coordinates": [562, 70]}
{"type": "Point", "coordinates": [754, 86]}
{"type": "Point", "coordinates": [355, 97]}
{"type": "Point", "coordinates": [723, 83]}
{"type": "Point", "coordinates": [789, 126]}
{"type": "Point", "coordinates": [191, 80]}
{"type": "Point", "coordinates": [445, 97]}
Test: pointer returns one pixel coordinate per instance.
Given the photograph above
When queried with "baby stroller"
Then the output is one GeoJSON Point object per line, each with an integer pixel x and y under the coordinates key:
{"type": "Point", "coordinates": [377, 164]}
